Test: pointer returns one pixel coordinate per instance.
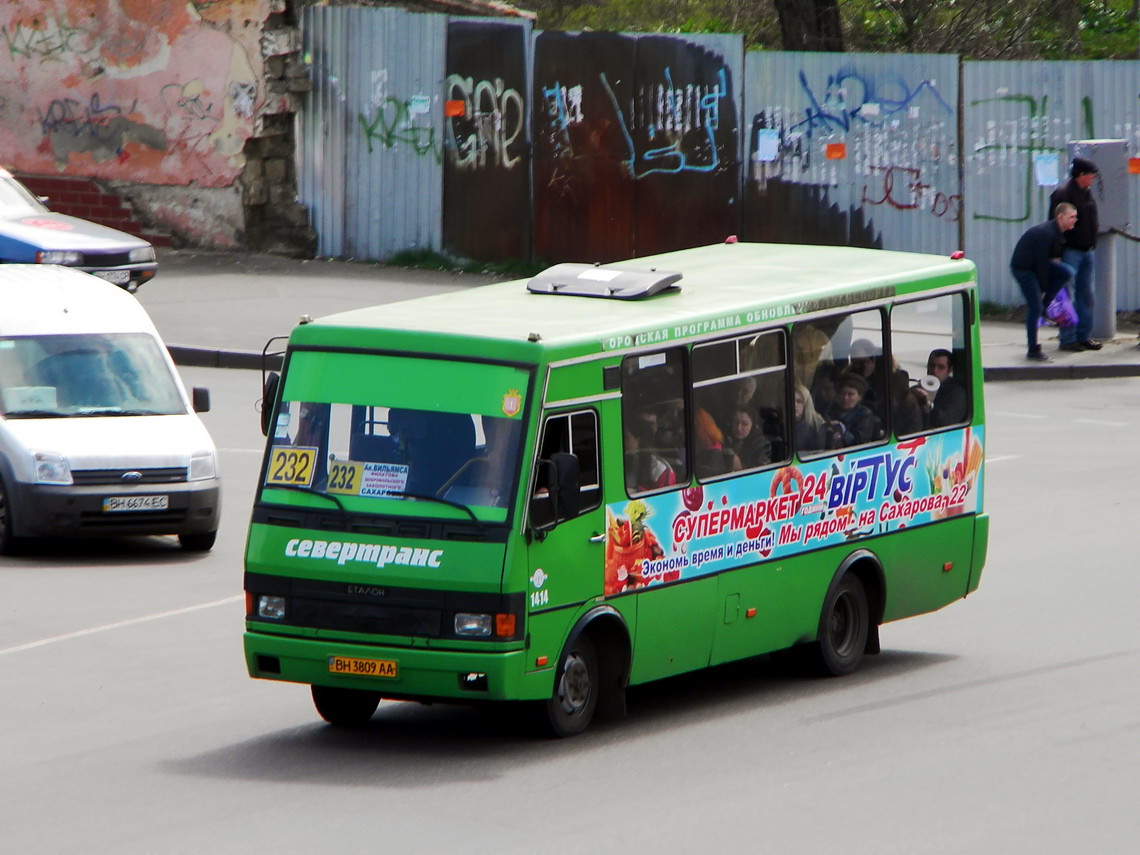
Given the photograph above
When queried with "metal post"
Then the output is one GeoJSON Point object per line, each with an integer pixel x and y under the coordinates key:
{"type": "Point", "coordinates": [1104, 262]}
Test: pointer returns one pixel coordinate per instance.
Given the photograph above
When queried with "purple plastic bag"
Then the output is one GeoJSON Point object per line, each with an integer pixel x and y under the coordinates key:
{"type": "Point", "coordinates": [1060, 311]}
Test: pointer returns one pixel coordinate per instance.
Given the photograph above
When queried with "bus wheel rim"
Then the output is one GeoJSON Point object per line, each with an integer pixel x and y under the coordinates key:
{"type": "Point", "coordinates": [574, 687]}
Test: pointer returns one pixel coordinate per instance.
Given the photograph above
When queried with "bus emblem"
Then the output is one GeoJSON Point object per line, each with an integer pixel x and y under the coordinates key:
{"type": "Point", "coordinates": [512, 403]}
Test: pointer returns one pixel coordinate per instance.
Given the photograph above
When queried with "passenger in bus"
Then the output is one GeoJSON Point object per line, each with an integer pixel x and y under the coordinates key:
{"type": "Point", "coordinates": [645, 468]}
{"type": "Point", "coordinates": [809, 424]}
{"type": "Point", "coordinates": [949, 405]}
{"type": "Point", "coordinates": [748, 441]}
{"type": "Point", "coordinates": [713, 454]}
{"type": "Point", "coordinates": [851, 423]}
{"type": "Point", "coordinates": [907, 414]}
{"type": "Point", "coordinates": [864, 362]}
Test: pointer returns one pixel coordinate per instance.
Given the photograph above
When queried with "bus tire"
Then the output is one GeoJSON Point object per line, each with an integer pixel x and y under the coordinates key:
{"type": "Point", "coordinates": [844, 625]}
{"type": "Point", "coordinates": [577, 683]}
{"type": "Point", "coordinates": [345, 707]}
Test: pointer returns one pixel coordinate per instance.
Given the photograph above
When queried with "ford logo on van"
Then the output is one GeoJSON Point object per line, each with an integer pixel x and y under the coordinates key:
{"type": "Point", "coordinates": [133, 475]}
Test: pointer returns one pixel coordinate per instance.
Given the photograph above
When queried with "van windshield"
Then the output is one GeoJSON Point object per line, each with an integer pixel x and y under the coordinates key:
{"type": "Point", "coordinates": [85, 374]}
{"type": "Point", "coordinates": [398, 435]}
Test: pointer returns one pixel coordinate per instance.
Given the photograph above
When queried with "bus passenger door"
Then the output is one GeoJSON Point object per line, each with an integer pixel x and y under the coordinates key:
{"type": "Point", "coordinates": [566, 545]}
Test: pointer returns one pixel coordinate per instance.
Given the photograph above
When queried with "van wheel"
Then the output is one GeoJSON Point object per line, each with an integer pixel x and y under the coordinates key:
{"type": "Point", "coordinates": [345, 707]}
{"type": "Point", "coordinates": [201, 541]}
{"type": "Point", "coordinates": [571, 707]}
{"type": "Point", "coordinates": [9, 544]}
{"type": "Point", "coordinates": [843, 628]}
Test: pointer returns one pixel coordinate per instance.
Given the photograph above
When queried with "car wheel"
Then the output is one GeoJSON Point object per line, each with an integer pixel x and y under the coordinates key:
{"type": "Point", "coordinates": [571, 706]}
{"type": "Point", "coordinates": [200, 541]}
{"type": "Point", "coordinates": [345, 707]}
{"type": "Point", "coordinates": [843, 627]}
{"type": "Point", "coordinates": [9, 544]}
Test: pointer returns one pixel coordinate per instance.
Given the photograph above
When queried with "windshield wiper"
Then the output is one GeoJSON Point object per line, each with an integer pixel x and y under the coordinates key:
{"type": "Point", "coordinates": [310, 491]}
{"type": "Point", "coordinates": [36, 414]}
{"type": "Point", "coordinates": [439, 499]}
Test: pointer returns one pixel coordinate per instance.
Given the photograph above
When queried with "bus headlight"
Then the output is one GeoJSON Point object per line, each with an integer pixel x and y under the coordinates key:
{"type": "Point", "coordinates": [51, 468]}
{"type": "Point", "coordinates": [472, 625]}
{"type": "Point", "coordinates": [271, 608]}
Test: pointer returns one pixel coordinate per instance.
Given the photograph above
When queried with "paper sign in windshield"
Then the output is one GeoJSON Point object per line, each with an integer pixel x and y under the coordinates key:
{"type": "Point", "coordinates": [383, 479]}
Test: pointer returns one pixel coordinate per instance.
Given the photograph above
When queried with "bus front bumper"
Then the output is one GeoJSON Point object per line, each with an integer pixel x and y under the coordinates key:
{"type": "Point", "coordinates": [411, 673]}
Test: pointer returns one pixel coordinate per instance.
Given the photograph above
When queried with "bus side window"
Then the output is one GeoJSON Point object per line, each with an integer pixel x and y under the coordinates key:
{"type": "Point", "coordinates": [740, 411]}
{"type": "Point", "coordinates": [568, 433]}
{"type": "Point", "coordinates": [841, 364]}
{"type": "Point", "coordinates": [654, 421]}
{"type": "Point", "coordinates": [931, 385]}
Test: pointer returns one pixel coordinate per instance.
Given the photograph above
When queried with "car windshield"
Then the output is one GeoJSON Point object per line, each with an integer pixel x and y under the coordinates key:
{"type": "Point", "coordinates": [397, 435]}
{"type": "Point", "coordinates": [85, 374]}
{"type": "Point", "coordinates": [16, 199]}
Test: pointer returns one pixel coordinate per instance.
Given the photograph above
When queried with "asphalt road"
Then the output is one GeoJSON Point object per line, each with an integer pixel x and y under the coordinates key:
{"type": "Point", "coordinates": [1005, 723]}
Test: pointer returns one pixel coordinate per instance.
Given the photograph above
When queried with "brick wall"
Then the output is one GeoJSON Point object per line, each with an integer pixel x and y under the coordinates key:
{"type": "Point", "coordinates": [84, 198]}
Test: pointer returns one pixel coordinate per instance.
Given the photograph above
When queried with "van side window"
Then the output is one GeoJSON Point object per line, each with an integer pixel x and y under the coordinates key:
{"type": "Point", "coordinates": [841, 378]}
{"type": "Point", "coordinates": [653, 421]}
{"type": "Point", "coordinates": [568, 433]}
{"type": "Point", "coordinates": [739, 409]}
{"type": "Point", "coordinates": [931, 382]}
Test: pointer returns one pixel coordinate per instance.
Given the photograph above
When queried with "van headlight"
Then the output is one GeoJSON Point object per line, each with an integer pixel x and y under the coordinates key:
{"type": "Point", "coordinates": [59, 256]}
{"type": "Point", "coordinates": [201, 466]}
{"type": "Point", "coordinates": [143, 253]}
{"type": "Point", "coordinates": [51, 468]}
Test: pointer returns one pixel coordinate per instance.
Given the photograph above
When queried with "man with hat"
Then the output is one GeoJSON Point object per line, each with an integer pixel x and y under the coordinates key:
{"type": "Point", "coordinates": [1080, 241]}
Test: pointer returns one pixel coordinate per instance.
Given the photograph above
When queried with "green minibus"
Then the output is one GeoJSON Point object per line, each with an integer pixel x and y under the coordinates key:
{"type": "Point", "coordinates": [551, 490]}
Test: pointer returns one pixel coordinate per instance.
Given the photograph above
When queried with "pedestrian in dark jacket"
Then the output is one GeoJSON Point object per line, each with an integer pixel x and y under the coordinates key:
{"type": "Point", "coordinates": [1036, 265]}
{"type": "Point", "coordinates": [1080, 243]}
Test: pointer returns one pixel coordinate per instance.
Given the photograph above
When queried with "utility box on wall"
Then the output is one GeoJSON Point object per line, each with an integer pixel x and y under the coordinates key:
{"type": "Point", "coordinates": [1111, 186]}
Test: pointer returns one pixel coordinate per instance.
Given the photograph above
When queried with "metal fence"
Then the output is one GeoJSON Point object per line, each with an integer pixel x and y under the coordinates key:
{"type": "Point", "coordinates": [486, 140]}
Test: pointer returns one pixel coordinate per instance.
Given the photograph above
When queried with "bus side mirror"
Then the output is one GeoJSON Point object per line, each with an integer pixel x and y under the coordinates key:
{"type": "Point", "coordinates": [558, 498]}
{"type": "Point", "coordinates": [268, 399]}
{"type": "Point", "coordinates": [566, 487]}
{"type": "Point", "coordinates": [200, 399]}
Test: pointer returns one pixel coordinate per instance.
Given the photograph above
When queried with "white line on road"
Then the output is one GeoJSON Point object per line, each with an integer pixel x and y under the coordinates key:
{"type": "Point", "coordinates": [1018, 415]}
{"type": "Point", "coordinates": [31, 645]}
{"type": "Point", "coordinates": [1100, 422]}
{"type": "Point", "coordinates": [998, 458]}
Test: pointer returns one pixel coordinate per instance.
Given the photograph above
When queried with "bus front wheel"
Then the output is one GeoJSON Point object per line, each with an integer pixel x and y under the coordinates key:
{"type": "Point", "coordinates": [345, 707]}
{"type": "Point", "coordinates": [843, 627]}
{"type": "Point", "coordinates": [571, 707]}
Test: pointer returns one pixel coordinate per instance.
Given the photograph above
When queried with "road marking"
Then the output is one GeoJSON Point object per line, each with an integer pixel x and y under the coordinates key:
{"type": "Point", "coordinates": [1019, 415]}
{"type": "Point", "coordinates": [998, 458]}
{"type": "Point", "coordinates": [68, 636]}
{"type": "Point", "coordinates": [1100, 422]}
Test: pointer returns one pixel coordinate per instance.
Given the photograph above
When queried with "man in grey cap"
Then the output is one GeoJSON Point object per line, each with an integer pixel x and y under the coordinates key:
{"type": "Point", "coordinates": [1080, 241]}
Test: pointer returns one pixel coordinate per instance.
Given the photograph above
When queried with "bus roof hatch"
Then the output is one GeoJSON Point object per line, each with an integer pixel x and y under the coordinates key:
{"type": "Point", "coordinates": [592, 280]}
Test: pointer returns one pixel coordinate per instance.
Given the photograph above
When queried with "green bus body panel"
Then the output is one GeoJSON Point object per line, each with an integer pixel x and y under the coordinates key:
{"type": "Point", "coordinates": [690, 615]}
{"type": "Point", "coordinates": [276, 551]}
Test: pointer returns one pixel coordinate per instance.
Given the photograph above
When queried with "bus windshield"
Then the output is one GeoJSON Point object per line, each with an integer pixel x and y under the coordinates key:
{"type": "Point", "coordinates": [399, 435]}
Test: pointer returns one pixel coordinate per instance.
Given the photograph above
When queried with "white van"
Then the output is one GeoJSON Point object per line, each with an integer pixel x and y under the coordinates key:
{"type": "Point", "coordinates": [97, 433]}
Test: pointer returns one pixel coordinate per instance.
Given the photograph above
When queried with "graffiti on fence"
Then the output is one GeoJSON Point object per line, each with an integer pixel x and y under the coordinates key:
{"type": "Point", "coordinates": [902, 188]}
{"type": "Point", "coordinates": [1022, 138]}
{"type": "Point", "coordinates": [851, 97]}
{"type": "Point", "coordinates": [392, 123]}
{"type": "Point", "coordinates": [493, 119]}
{"type": "Point", "coordinates": [563, 105]}
{"type": "Point", "coordinates": [684, 119]}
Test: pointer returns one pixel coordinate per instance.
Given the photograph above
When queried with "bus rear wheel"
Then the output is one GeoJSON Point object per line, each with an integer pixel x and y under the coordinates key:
{"type": "Point", "coordinates": [345, 707]}
{"type": "Point", "coordinates": [571, 707]}
{"type": "Point", "coordinates": [843, 627]}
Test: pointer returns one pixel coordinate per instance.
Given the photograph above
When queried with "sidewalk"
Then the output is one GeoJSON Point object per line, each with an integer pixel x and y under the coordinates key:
{"type": "Point", "coordinates": [220, 309]}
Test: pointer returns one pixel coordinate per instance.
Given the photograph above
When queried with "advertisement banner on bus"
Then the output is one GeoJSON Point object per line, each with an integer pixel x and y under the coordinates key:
{"type": "Point", "coordinates": [730, 523]}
